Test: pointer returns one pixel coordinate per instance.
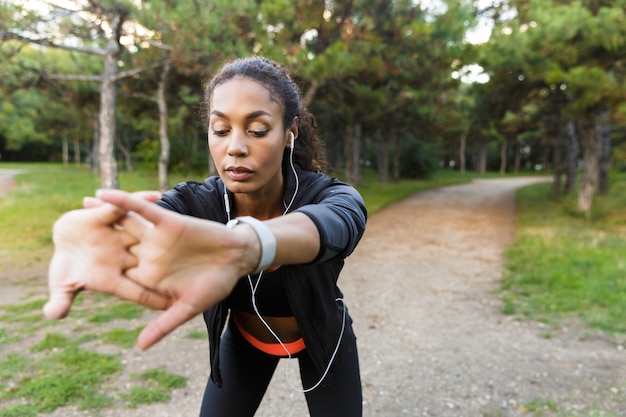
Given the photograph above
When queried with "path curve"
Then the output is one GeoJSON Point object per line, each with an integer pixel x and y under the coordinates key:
{"type": "Point", "coordinates": [6, 179]}
{"type": "Point", "coordinates": [431, 338]}
{"type": "Point", "coordinates": [432, 341]}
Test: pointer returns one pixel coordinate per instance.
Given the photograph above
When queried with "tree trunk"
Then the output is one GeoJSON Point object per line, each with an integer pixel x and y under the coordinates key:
{"type": "Point", "coordinates": [94, 160]}
{"type": "Point", "coordinates": [396, 158]}
{"type": "Point", "coordinates": [482, 157]}
{"type": "Point", "coordinates": [124, 149]}
{"type": "Point", "coordinates": [358, 144]}
{"type": "Point", "coordinates": [503, 152]}
{"type": "Point", "coordinates": [349, 153]}
{"type": "Point", "coordinates": [573, 149]}
{"type": "Point", "coordinates": [589, 180]}
{"type": "Point", "coordinates": [66, 152]}
{"type": "Point", "coordinates": [382, 156]}
{"type": "Point", "coordinates": [353, 154]}
{"type": "Point", "coordinates": [603, 127]}
{"type": "Point", "coordinates": [545, 152]}
{"type": "Point", "coordinates": [77, 160]}
{"type": "Point", "coordinates": [518, 157]}
{"type": "Point", "coordinates": [557, 161]}
{"type": "Point", "coordinates": [108, 164]}
{"type": "Point", "coordinates": [462, 147]}
{"type": "Point", "coordinates": [164, 156]}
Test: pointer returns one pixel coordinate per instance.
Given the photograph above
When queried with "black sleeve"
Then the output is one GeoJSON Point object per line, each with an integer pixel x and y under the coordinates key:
{"type": "Point", "coordinates": [340, 216]}
{"type": "Point", "coordinates": [202, 200]}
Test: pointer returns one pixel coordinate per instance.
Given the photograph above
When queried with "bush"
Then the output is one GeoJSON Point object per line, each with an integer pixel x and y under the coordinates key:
{"type": "Point", "coordinates": [418, 160]}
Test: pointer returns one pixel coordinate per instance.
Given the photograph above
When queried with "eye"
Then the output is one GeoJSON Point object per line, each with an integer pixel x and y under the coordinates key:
{"type": "Point", "coordinates": [259, 133]}
{"type": "Point", "coordinates": [220, 132]}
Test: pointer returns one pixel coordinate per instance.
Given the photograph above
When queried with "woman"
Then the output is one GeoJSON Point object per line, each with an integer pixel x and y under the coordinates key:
{"type": "Point", "coordinates": [267, 281]}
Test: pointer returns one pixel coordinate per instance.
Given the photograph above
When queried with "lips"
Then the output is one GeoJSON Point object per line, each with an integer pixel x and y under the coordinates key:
{"type": "Point", "coordinates": [238, 173]}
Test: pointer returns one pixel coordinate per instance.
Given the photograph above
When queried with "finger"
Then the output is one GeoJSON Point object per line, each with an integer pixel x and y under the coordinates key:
{"type": "Point", "coordinates": [135, 225]}
{"type": "Point", "coordinates": [164, 324]}
{"type": "Point", "coordinates": [149, 211]}
{"type": "Point", "coordinates": [109, 213]}
{"type": "Point", "coordinates": [127, 239]}
{"type": "Point", "coordinates": [144, 274]}
{"type": "Point", "coordinates": [132, 291]}
{"type": "Point", "coordinates": [91, 202]}
{"type": "Point", "coordinates": [151, 196]}
{"type": "Point", "coordinates": [58, 304]}
{"type": "Point", "coordinates": [130, 260]}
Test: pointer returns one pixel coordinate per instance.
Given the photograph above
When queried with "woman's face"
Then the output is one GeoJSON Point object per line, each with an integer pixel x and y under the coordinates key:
{"type": "Point", "coordinates": [247, 137]}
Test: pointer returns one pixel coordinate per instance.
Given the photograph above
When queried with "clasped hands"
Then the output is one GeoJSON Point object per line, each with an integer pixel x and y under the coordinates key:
{"type": "Point", "coordinates": [125, 245]}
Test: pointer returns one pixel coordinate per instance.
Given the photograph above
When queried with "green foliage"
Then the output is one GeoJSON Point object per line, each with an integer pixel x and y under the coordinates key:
{"type": "Point", "coordinates": [71, 376]}
{"type": "Point", "coordinates": [418, 160]}
{"type": "Point", "coordinates": [378, 195]}
{"type": "Point", "coordinates": [157, 385]}
{"type": "Point", "coordinates": [58, 371]}
{"type": "Point", "coordinates": [193, 334]}
{"type": "Point", "coordinates": [5, 338]}
{"type": "Point", "coordinates": [27, 227]}
{"type": "Point", "coordinates": [27, 307]}
{"type": "Point", "coordinates": [51, 341]}
{"type": "Point", "coordinates": [20, 410]}
{"type": "Point", "coordinates": [539, 405]}
{"type": "Point", "coordinates": [121, 310]}
{"type": "Point", "coordinates": [121, 337]}
{"type": "Point", "coordinates": [563, 264]}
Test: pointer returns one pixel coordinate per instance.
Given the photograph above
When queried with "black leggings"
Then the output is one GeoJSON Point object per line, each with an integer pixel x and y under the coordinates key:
{"type": "Point", "coordinates": [246, 374]}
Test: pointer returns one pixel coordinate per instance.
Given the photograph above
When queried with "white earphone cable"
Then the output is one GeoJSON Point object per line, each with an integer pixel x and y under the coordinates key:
{"type": "Point", "coordinates": [254, 287]}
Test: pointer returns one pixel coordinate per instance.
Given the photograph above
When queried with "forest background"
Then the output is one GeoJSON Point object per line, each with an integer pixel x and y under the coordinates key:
{"type": "Point", "coordinates": [398, 86]}
{"type": "Point", "coordinates": [402, 91]}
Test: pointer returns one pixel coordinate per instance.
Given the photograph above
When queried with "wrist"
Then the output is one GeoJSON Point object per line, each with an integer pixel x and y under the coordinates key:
{"type": "Point", "coordinates": [266, 239]}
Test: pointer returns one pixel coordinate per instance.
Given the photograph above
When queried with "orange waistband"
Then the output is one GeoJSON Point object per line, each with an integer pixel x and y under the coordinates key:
{"type": "Point", "coordinates": [274, 349]}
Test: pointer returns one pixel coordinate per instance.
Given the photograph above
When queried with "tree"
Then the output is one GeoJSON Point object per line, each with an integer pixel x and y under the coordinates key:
{"type": "Point", "coordinates": [97, 29]}
{"type": "Point", "coordinates": [38, 112]}
{"type": "Point", "coordinates": [569, 47]}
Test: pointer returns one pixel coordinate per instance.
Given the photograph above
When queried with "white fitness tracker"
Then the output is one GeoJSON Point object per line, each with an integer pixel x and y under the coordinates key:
{"type": "Point", "coordinates": [266, 238]}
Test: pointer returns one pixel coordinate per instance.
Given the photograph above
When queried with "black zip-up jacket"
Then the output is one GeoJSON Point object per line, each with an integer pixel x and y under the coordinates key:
{"type": "Point", "coordinates": [339, 213]}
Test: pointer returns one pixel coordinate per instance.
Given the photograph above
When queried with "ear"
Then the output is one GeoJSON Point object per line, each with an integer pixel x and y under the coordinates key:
{"type": "Point", "coordinates": [292, 134]}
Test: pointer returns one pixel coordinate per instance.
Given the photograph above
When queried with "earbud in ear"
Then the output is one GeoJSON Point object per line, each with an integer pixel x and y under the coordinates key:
{"type": "Point", "coordinates": [293, 140]}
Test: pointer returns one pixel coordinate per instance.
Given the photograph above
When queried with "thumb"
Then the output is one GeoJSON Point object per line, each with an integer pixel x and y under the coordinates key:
{"type": "Point", "coordinates": [165, 323]}
{"type": "Point", "coordinates": [58, 304]}
{"type": "Point", "coordinates": [125, 201]}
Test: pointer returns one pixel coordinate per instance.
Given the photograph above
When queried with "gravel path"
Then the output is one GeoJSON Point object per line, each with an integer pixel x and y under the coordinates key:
{"type": "Point", "coordinates": [6, 179]}
{"type": "Point", "coordinates": [431, 339]}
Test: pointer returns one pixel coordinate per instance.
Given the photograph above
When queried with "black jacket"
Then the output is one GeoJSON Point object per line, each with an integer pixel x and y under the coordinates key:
{"type": "Point", "coordinates": [339, 213]}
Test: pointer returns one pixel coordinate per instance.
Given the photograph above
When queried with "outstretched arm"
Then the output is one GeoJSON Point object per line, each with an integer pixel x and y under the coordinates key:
{"type": "Point", "coordinates": [91, 253]}
{"type": "Point", "coordinates": [198, 262]}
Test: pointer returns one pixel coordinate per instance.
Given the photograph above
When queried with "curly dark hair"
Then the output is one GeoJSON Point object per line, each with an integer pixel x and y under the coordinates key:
{"type": "Point", "coordinates": [310, 153]}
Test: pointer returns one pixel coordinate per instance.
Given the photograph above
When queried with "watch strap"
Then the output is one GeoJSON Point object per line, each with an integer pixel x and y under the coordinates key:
{"type": "Point", "coordinates": [266, 239]}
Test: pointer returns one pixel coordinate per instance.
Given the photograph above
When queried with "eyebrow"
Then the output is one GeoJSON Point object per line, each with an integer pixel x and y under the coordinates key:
{"type": "Point", "coordinates": [250, 116]}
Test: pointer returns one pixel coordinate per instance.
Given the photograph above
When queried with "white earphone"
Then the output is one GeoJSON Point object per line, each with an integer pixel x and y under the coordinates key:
{"type": "Point", "coordinates": [254, 286]}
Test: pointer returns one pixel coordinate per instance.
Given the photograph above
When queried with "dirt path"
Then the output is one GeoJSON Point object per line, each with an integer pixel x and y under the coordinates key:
{"type": "Point", "coordinates": [431, 334]}
{"type": "Point", "coordinates": [6, 180]}
{"type": "Point", "coordinates": [431, 339]}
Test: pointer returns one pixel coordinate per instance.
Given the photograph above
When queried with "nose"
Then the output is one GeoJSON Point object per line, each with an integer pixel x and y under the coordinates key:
{"type": "Point", "coordinates": [237, 146]}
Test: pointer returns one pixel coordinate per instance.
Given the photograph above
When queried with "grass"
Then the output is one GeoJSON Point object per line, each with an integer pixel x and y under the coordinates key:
{"type": "Point", "coordinates": [49, 374]}
{"type": "Point", "coordinates": [71, 375]}
{"type": "Point", "coordinates": [378, 195]}
{"type": "Point", "coordinates": [44, 192]}
{"type": "Point", "coordinates": [157, 386]}
{"type": "Point", "coordinates": [59, 369]}
{"type": "Point", "coordinates": [563, 264]}
{"type": "Point", "coordinates": [560, 265]}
